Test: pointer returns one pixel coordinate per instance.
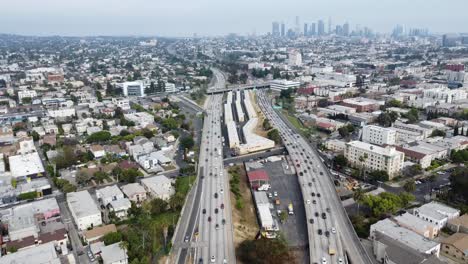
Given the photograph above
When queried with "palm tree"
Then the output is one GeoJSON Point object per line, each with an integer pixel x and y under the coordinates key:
{"type": "Point", "coordinates": [362, 160]}
{"type": "Point", "coordinates": [357, 196]}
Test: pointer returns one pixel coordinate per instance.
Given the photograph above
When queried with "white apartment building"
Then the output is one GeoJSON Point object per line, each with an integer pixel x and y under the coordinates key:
{"type": "Point", "coordinates": [445, 94]}
{"type": "Point", "coordinates": [26, 94]}
{"type": "Point", "coordinates": [84, 210]}
{"type": "Point", "coordinates": [279, 85]}
{"type": "Point", "coordinates": [133, 88]}
{"type": "Point", "coordinates": [378, 135]}
{"type": "Point", "coordinates": [294, 58]}
{"type": "Point", "coordinates": [170, 87]}
{"type": "Point", "coordinates": [436, 213]}
{"type": "Point", "coordinates": [61, 112]}
{"type": "Point", "coordinates": [123, 103]}
{"type": "Point", "coordinates": [375, 158]}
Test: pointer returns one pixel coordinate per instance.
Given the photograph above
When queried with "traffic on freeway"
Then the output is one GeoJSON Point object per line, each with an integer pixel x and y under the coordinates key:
{"type": "Point", "coordinates": [331, 236]}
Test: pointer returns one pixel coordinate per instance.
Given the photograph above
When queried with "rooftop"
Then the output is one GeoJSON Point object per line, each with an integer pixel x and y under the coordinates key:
{"type": "Point", "coordinates": [113, 253]}
{"type": "Point", "coordinates": [258, 175]}
{"type": "Point", "coordinates": [25, 164]}
{"type": "Point", "coordinates": [99, 231]}
{"type": "Point", "coordinates": [82, 204]}
{"type": "Point", "coordinates": [458, 240]}
{"type": "Point", "coordinates": [437, 210]}
{"type": "Point", "coordinates": [44, 253]}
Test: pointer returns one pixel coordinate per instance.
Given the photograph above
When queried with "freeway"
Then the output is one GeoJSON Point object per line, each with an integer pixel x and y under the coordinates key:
{"type": "Point", "coordinates": [332, 238]}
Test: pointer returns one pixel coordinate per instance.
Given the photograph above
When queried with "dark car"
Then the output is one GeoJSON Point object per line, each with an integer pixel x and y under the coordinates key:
{"type": "Point", "coordinates": [328, 210]}
{"type": "Point", "coordinates": [224, 221]}
{"type": "Point", "coordinates": [209, 218]}
{"type": "Point", "coordinates": [324, 216]}
{"type": "Point", "coordinates": [222, 206]}
{"type": "Point", "coordinates": [316, 214]}
{"type": "Point", "coordinates": [310, 184]}
{"type": "Point", "coordinates": [311, 220]}
{"type": "Point", "coordinates": [318, 194]}
{"type": "Point", "coordinates": [320, 231]}
{"type": "Point", "coordinates": [216, 210]}
{"type": "Point", "coordinates": [314, 202]}
{"type": "Point", "coordinates": [313, 194]}
{"type": "Point", "coordinates": [313, 179]}
{"type": "Point", "coordinates": [321, 173]}
{"type": "Point", "coordinates": [327, 233]}
{"type": "Point", "coordinates": [204, 211]}
{"type": "Point", "coordinates": [216, 195]}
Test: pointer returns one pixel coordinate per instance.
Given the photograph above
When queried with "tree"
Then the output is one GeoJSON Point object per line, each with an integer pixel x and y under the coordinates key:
{"type": "Point", "coordinates": [343, 132]}
{"type": "Point", "coordinates": [394, 103]}
{"type": "Point", "coordinates": [112, 238]}
{"type": "Point", "coordinates": [459, 184]}
{"type": "Point", "coordinates": [100, 136]}
{"type": "Point", "coordinates": [384, 119]}
{"type": "Point", "coordinates": [340, 160]}
{"type": "Point", "coordinates": [409, 186]}
{"type": "Point", "coordinates": [264, 251]}
{"type": "Point", "coordinates": [170, 123]}
{"type": "Point", "coordinates": [438, 133]}
{"type": "Point", "coordinates": [35, 135]}
{"type": "Point", "coordinates": [187, 142]}
{"type": "Point", "coordinates": [100, 176]}
{"type": "Point", "coordinates": [109, 89]}
{"type": "Point", "coordinates": [266, 124]}
{"type": "Point", "coordinates": [99, 96]}
{"type": "Point", "coordinates": [379, 175]}
{"type": "Point", "coordinates": [274, 135]}
{"type": "Point", "coordinates": [358, 194]}
{"type": "Point", "coordinates": [130, 175]}
{"type": "Point", "coordinates": [158, 206]}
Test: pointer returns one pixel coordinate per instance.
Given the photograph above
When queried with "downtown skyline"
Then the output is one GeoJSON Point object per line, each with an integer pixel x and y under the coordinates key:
{"type": "Point", "coordinates": [182, 18]}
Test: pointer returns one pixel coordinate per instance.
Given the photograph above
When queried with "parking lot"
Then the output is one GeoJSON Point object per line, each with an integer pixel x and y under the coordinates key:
{"type": "Point", "coordinates": [284, 182]}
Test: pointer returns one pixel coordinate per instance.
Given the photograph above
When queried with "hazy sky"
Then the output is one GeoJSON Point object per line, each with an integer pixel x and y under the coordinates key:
{"type": "Point", "coordinates": [219, 17]}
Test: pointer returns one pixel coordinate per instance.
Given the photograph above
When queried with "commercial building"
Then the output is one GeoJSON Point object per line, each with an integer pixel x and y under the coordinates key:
{"type": "Point", "coordinates": [335, 145]}
{"type": "Point", "coordinates": [375, 158]}
{"type": "Point", "coordinates": [405, 236]}
{"type": "Point", "coordinates": [159, 186]}
{"type": "Point", "coordinates": [362, 104]}
{"type": "Point", "coordinates": [133, 88]}
{"type": "Point", "coordinates": [84, 210]}
{"type": "Point", "coordinates": [123, 103]}
{"type": "Point", "coordinates": [170, 88]}
{"type": "Point", "coordinates": [424, 132]}
{"type": "Point", "coordinates": [417, 225]}
{"type": "Point", "coordinates": [378, 135]}
{"type": "Point", "coordinates": [253, 141]}
{"type": "Point", "coordinates": [40, 254]}
{"type": "Point", "coordinates": [436, 213]}
{"type": "Point", "coordinates": [294, 58]}
{"type": "Point", "coordinates": [267, 223]}
{"type": "Point", "coordinates": [280, 85]}
{"type": "Point", "coordinates": [26, 94]}
{"type": "Point", "coordinates": [456, 247]}
{"type": "Point", "coordinates": [26, 165]}
{"type": "Point", "coordinates": [422, 152]}
{"type": "Point", "coordinates": [459, 224]}
{"type": "Point", "coordinates": [257, 178]}
{"type": "Point", "coordinates": [391, 251]}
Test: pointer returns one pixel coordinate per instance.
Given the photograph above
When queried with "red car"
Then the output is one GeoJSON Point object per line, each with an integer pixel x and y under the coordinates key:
{"type": "Point", "coordinates": [222, 206]}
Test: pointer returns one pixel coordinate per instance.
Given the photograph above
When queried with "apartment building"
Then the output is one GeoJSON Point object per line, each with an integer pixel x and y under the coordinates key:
{"type": "Point", "coordinates": [436, 213]}
{"type": "Point", "coordinates": [378, 135]}
{"type": "Point", "coordinates": [375, 158]}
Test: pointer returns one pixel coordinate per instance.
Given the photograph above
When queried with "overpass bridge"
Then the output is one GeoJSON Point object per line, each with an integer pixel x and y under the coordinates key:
{"type": "Point", "coordinates": [215, 90]}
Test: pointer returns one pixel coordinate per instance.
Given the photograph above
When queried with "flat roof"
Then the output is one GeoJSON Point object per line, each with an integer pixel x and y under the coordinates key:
{"type": "Point", "coordinates": [82, 204]}
{"type": "Point", "coordinates": [405, 236]}
{"type": "Point", "coordinates": [113, 253]}
{"type": "Point", "coordinates": [413, 222]}
{"type": "Point", "coordinates": [25, 164]}
{"type": "Point", "coordinates": [437, 210]}
{"type": "Point", "coordinates": [388, 151]}
{"type": "Point", "coordinates": [40, 254]}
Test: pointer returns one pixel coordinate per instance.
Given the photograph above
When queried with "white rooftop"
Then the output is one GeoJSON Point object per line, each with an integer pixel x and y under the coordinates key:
{"type": "Point", "coordinates": [41, 254]}
{"type": "Point", "coordinates": [405, 236]}
{"type": "Point", "coordinates": [437, 210]}
{"type": "Point", "coordinates": [113, 254]}
{"type": "Point", "coordinates": [108, 192]}
{"type": "Point", "coordinates": [82, 204]}
{"type": "Point", "coordinates": [26, 164]}
{"type": "Point", "coordinates": [387, 151]}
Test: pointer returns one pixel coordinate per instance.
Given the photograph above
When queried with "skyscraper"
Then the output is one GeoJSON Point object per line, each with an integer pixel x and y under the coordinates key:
{"type": "Point", "coordinates": [346, 29]}
{"type": "Point", "coordinates": [306, 29]}
{"type": "Point", "coordinates": [313, 31]}
{"type": "Point", "coordinates": [321, 28]}
{"type": "Point", "coordinates": [275, 30]}
{"type": "Point", "coordinates": [329, 25]}
{"type": "Point", "coordinates": [297, 29]}
{"type": "Point", "coordinates": [283, 29]}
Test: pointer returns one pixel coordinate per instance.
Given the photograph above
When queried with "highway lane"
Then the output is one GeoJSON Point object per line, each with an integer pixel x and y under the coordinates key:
{"type": "Point", "coordinates": [314, 180]}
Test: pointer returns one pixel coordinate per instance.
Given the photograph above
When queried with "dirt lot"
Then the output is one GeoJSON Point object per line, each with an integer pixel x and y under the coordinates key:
{"type": "Point", "coordinates": [245, 219]}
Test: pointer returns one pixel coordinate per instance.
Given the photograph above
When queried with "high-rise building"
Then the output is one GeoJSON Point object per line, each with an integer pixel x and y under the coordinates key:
{"type": "Point", "coordinates": [275, 30]}
{"type": "Point", "coordinates": [283, 29]}
{"type": "Point", "coordinates": [378, 135]}
{"type": "Point", "coordinates": [306, 29]}
{"type": "Point", "coordinates": [321, 28]}
{"type": "Point", "coordinates": [294, 58]}
{"type": "Point", "coordinates": [346, 29]}
{"type": "Point", "coordinates": [313, 31]}
{"type": "Point", "coordinates": [297, 29]}
{"type": "Point", "coordinates": [329, 25]}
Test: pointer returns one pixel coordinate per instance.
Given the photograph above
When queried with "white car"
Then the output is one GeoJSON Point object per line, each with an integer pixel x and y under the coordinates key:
{"type": "Point", "coordinates": [333, 230]}
{"type": "Point", "coordinates": [275, 194]}
{"type": "Point", "coordinates": [270, 195]}
{"type": "Point", "coordinates": [221, 191]}
{"type": "Point", "coordinates": [213, 259]}
{"type": "Point", "coordinates": [308, 201]}
{"type": "Point", "coordinates": [324, 260]}
{"type": "Point", "coordinates": [340, 260]}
